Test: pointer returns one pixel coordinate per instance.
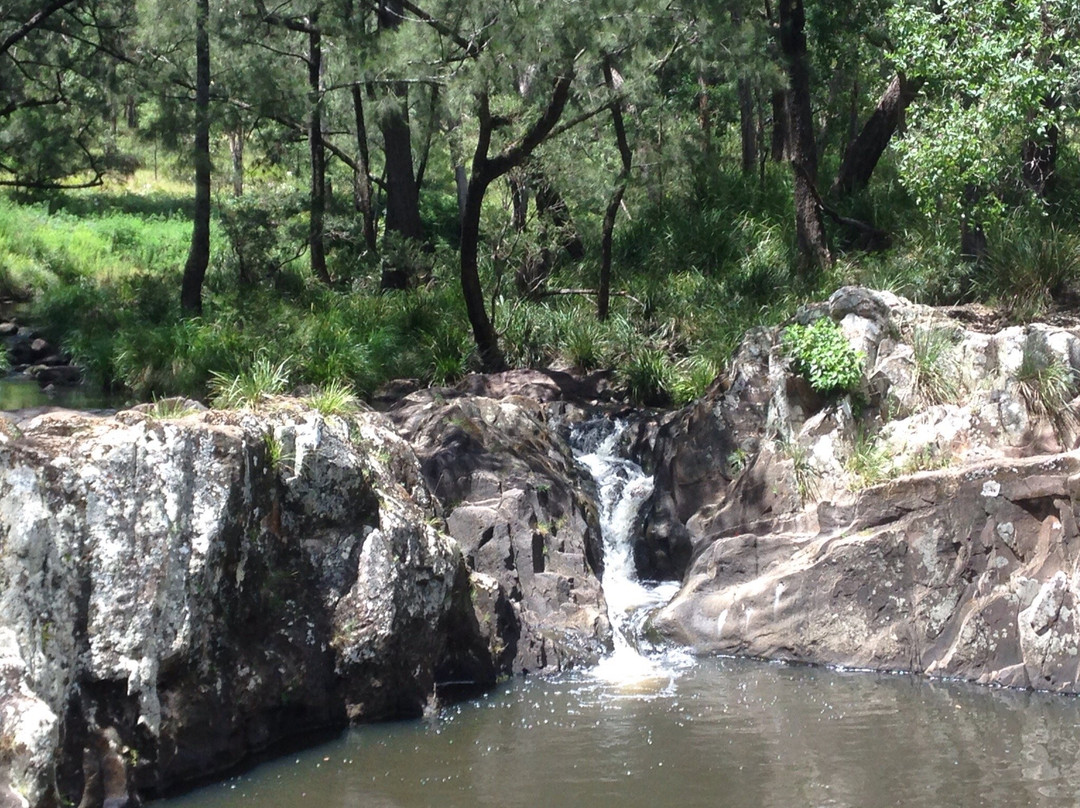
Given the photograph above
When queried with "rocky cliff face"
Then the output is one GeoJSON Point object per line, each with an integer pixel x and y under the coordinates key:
{"type": "Point", "coordinates": [176, 594]}
{"type": "Point", "coordinates": [930, 528]}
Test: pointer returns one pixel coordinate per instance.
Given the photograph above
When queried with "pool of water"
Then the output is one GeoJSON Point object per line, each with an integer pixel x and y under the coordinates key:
{"type": "Point", "coordinates": [17, 392]}
{"type": "Point", "coordinates": [716, 732]}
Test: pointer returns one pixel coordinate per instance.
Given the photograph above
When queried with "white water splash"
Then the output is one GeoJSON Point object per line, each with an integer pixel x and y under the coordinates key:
{"type": "Point", "coordinates": [623, 488]}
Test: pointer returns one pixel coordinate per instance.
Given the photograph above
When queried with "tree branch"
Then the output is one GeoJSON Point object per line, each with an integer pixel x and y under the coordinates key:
{"type": "Point", "coordinates": [35, 21]}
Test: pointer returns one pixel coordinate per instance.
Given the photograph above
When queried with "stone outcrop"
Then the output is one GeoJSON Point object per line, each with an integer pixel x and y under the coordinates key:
{"type": "Point", "coordinates": [178, 594]}
{"type": "Point", "coordinates": [525, 516]}
{"type": "Point", "coordinates": [927, 525]}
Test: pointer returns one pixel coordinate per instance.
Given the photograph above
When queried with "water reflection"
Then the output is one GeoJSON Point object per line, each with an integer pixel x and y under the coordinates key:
{"type": "Point", "coordinates": [18, 392]}
{"type": "Point", "coordinates": [724, 732]}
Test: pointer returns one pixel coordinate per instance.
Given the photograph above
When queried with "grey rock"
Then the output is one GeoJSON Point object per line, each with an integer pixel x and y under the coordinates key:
{"type": "Point", "coordinates": [209, 585]}
{"type": "Point", "coordinates": [523, 512]}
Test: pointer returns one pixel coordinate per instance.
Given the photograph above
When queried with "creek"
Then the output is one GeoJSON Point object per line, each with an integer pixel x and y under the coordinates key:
{"type": "Point", "coordinates": [651, 726]}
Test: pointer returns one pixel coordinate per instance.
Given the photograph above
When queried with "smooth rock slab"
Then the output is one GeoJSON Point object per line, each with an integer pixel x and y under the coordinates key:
{"type": "Point", "coordinates": [971, 573]}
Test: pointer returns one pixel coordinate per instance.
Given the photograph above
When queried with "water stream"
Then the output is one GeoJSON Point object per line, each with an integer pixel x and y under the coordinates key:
{"type": "Point", "coordinates": [622, 489]}
{"type": "Point", "coordinates": [650, 727]}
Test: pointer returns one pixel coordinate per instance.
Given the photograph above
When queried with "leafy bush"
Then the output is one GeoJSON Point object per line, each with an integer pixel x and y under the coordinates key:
{"type": "Point", "coordinates": [821, 353]}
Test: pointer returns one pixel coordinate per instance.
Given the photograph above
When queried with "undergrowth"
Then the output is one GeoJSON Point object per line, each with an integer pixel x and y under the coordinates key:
{"type": "Point", "coordinates": [99, 274]}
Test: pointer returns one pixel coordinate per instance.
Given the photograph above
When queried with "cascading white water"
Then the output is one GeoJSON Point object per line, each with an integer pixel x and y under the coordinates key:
{"type": "Point", "coordinates": [622, 488]}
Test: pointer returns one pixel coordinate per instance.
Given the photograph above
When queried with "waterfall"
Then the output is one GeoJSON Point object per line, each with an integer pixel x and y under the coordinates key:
{"type": "Point", "coordinates": [623, 488]}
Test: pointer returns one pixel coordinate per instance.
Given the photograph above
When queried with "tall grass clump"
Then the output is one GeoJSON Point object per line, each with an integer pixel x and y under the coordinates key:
{"type": "Point", "coordinates": [260, 380]}
{"type": "Point", "coordinates": [937, 372]}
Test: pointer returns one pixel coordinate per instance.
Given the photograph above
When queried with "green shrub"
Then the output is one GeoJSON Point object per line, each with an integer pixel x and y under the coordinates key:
{"type": "Point", "coordinates": [823, 356]}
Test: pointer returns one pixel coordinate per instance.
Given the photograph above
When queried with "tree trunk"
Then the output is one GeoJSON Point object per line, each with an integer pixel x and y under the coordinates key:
{"type": "Point", "coordinates": [199, 253]}
{"type": "Point", "coordinates": [519, 199]}
{"type": "Point", "coordinates": [862, 155]}
{"type": "Point", "coordinates": [236, 150]}
{"type": "Point", "coordinates": [487, 341]}
{"type": "Point", "coordinates": [486, 170]}
{"type": "Point", "coordinates": [973, 244]}
{"type": "Point", "coordinates": [402, 194]}
{"type": "Point", "coordinates": [603, 297]}
{"type": "Point", "coordinates": [362, 176]}
{"type": "Point", "coordinates": [747, 126]}
{"type": "Point", "coordinates": [779, 143]}
{"type": "Point", "coordinates": [704, 113]}
{"type": "Point", "coordinates": [316, 241]}
{"type": "Point", "coordinates": [810, 229]}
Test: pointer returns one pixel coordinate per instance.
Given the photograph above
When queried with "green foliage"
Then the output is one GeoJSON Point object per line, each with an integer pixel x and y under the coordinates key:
{"type": "Point", "coordinates": [995, 75]}
{"type": "Point", "coordinates": [821, 353]}
{"type": "Point", "coordinates": [252, 386]}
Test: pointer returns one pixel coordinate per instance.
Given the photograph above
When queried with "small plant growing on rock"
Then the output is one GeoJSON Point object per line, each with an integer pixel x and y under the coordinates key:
{"type": "Point", "coordinates": [805, 473]}
{"type": "Point", "coordinates": [335, 398]}
{"type": "Point", "coordinates": [868, 463]}
{"type": "Point", "coordinates": [822, 355]}
{"type": "Point", "coordinates": [937, 374]}
{"type": "Point", "coordinates": [261, 380]}
{"type": "Point", "coordinates": [1047, 385]}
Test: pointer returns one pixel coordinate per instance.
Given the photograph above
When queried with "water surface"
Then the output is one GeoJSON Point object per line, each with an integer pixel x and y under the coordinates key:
{"type": "Point", "coordinates": [718, 732]}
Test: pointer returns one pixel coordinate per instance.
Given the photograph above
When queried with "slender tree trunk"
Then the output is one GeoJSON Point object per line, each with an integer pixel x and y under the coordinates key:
{"type": "Point", "coordinates": [779, 143]}
{"type": "Point", "coordinates": [429, 132]}
{"type": "Point", "coordinates": [316, 226]}
{"type": "Point", "coordinates": [236, 150]}
{"type": "Point", "coordinates": [487, 341]}
{"type": "Point", "coordinates": [747, 126]}
{"type": "Point", "coordinates": [603, 297]}
{"type": "Point", "coordinates": [704, 113]}
{"type": "Point", "coordinates": [362, 177]}
{"type": "Point", "coordinates": [199, 253]}
{"type": "Point", "coordinates": [863, 153]}
{"type": "Point", "coordinates": [461, 182]}
{"type": "Point", "coordinates": [519, 199]}
{"type": "Point", "coordinates": [810, 229]}
{"type": "Point", "coordinates": [973, 244]}
{"type": "Point", "coordinates": [486, 170]}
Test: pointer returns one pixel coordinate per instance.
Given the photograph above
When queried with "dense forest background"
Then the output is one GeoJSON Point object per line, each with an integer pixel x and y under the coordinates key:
{"type": "Point", "coordinates": [340, 192]}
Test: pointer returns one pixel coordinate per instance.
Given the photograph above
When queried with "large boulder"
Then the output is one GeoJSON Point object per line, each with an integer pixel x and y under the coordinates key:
{"type": "Point", "coordinates": [970, 573]}
{"type": "Point", "coordinates": [926, 523]}
{"type": "Point", "coordinates": [525, 516]}
{"type": "Point", "coordinates": [178, 594]}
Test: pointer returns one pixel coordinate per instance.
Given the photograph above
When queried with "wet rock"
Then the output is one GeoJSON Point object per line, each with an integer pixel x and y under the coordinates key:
{"type": "Point", "coordinates": [8, 329]}
{"type": "Point", "coordinates": [62, 375]}
{"type": "Point", "coordinates": [523, 512]}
